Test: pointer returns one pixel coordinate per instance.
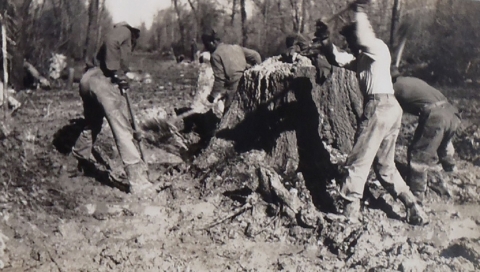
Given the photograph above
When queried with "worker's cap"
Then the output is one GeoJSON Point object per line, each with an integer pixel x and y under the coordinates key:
{"type": "Point", "coordinates": [135, 31]}
{"type": "Point", "coordinates": [210, 35]}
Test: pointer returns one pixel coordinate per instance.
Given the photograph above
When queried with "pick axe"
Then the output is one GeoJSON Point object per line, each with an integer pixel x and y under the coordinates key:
{"type": "Point", "coordinates": [403, 33]}
{"type": "Point", "coordinates": [343, 10]}
{"type": "Point", "coordinates": [337, 14]}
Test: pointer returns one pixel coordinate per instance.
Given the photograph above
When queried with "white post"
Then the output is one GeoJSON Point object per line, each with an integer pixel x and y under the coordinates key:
{"type": "Point", "coordinates": [5, 68]}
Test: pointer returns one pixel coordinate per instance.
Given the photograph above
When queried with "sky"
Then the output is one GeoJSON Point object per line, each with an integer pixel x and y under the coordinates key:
{"type": "Point", "coordinates": [135, 12]}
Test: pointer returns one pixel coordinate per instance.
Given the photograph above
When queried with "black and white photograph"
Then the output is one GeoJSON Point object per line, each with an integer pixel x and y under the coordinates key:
{"type": "Point", "coordinates": [239, 135]}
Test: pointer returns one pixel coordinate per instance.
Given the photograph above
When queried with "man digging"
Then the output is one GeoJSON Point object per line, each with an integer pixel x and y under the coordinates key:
{"type": "Point", "coordinates": [437, 123]}
{"type": "Point", "coordinates": [101, 91]}
{"type": "Point", "coordinates": [228, 61]}
{"type": "Point", "coordinates": [380, 124]}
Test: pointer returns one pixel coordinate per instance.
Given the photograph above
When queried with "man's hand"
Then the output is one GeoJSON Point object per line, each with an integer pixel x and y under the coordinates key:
{"type": "Point", "coordinates": [121, 81]}
{"type": "Point", "coordinates": [123, 84]}
{"type": "Point", "coordinates": [211, 98]}
{"type": "Point", "coordinates": [138, 135]}
{"type": "Point", "coordinates": [291, 54]}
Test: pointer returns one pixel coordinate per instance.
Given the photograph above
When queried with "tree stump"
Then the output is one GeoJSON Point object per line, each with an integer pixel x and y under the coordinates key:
{"type": "Point", "coordinates": [302, 126]}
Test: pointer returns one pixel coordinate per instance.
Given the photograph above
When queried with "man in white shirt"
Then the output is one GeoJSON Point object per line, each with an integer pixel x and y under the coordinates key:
{"type": "Point", "coordinates": [380, 124]}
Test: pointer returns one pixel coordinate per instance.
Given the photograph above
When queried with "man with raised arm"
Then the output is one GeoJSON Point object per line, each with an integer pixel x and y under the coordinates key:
{"type": "Point", "coordinates": [380, 124]}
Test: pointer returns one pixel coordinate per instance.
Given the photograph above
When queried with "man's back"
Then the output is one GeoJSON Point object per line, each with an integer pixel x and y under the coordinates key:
{"type": "Point", "coordinates": [233, 59]}
{"type": "Point", "coordinates": [115, 49]}
{"type": "Point", "coordinates": [413, 93]}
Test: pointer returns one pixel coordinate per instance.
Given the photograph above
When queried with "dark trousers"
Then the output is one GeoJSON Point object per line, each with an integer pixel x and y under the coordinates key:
{"type": "Point", "coordinates": [432, 143]}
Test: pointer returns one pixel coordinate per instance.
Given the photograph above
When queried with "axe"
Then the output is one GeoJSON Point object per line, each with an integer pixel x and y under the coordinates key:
{"type": "Point", "coordinates": [403, 33]}
{"type": "Point", "coordinates": [337, 14]}
{"type": "Point", "coordinates": [343, 10]}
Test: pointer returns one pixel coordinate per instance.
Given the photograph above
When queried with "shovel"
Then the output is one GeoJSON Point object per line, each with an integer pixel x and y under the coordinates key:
{"type": "Point", "coordinates": [134, 123]}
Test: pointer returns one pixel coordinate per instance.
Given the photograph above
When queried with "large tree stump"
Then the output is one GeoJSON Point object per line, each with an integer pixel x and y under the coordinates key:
{"type": "Point", "coordinates": [302, 126]}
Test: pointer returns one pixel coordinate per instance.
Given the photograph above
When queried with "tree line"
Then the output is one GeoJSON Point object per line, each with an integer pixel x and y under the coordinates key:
{"type": "Point", "coordinates": [443, 45]}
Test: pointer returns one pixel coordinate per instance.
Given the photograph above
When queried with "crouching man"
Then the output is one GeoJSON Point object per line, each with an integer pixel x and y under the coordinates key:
{"type": "Point", "coordinates": [101, 91]}
{"type": "Point", "coordinates": [438, 120]}
{"type": "Point", "coordinates": [380, 124]}
{"type": "Point", "coordinates": [228, 61]}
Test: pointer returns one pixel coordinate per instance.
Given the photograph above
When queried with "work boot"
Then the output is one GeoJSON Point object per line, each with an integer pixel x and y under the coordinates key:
{"type": "Point", "coordinates": [138, 178]}
{"type": "Point", "coordinates": [449, 167]}
{"type": "Point", "coordinates": [87, 167]}
{"type": "Point", "coordinates": [415, 214]}
{"type": "Point", "coordinates": [448, 164]}
{"type": "Point", "coordinates": [352, 211]}
{"type": "Point", "coordinates": [419, 195]}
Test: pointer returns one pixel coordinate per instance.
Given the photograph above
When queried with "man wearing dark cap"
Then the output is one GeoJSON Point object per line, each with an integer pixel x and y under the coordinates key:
{"type": "Point", "coordinates": [228, 61]}
{"type": "Point", "coordinates": [438, 120]}
{"type": "Point", "coordinates": [296, 44]}
{"type": "Point", "coordinates": [380, 124]}
{"type": "Point", "coordinates": [101, 90]}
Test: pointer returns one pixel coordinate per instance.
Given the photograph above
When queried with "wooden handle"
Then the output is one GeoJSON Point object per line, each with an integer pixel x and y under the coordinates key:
{"type": "Point", "coordinates": [331, 18]}
{"type": "Point", "coordinates": [134, 123]}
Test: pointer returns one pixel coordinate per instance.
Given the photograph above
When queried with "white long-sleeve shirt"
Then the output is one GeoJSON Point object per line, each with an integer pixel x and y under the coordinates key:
{"type": "Point", "coordinates": [373, 63]}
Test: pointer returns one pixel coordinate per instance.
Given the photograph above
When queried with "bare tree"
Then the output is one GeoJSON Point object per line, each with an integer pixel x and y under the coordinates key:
{"type": "Point", "coordinates": [180, 22]}
{"type": "Point", "coordinates": [234, 7]}
{"type": "Point", "coordinates": [243, 12]}
{"type": "Point", "coordinates": [91, 41]}
{"type": "Point", "coordinates": [197, 20]}
{"type": "Point", "coordinates": [395, 18]}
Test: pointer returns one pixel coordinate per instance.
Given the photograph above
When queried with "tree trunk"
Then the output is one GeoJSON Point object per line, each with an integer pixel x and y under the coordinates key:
{"type": "Point", "coordinates": [300, 125]}
{"type": "Point", "coordinates": [181, 25]}
{"type": "Point", "coordinates": [244, 22]}
{"type": "Point", "coordinates": [16, 33]}
{"type": "Point", "coordinates": [197, 20]}
{"type": "Point", "coordinates": [304, 18]}
{"type": "Point", "coordinates": [91, 42]}
{"type": "Point", "coordinates": [395, 19]}
{"type": "Point", "coordinates": [234, 7]}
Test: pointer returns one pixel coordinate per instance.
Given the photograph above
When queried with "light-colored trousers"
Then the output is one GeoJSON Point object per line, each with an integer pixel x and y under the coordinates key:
{"type": "Point", "coordinates": [375, 144]}
{"type": "Point", "coordinates": [101, 99]}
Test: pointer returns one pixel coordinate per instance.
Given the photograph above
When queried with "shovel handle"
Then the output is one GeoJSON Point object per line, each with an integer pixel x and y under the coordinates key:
{"type": "Point", "coordinates": [134, 123]}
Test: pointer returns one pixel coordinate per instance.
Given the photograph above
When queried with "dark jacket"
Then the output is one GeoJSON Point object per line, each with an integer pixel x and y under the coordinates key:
{"type": "Point", "coordinates": [228, 64]}
{"type": "Point", "coordinates": [414, 94]}
{"type": "Point", "coordinates": [115, 51]}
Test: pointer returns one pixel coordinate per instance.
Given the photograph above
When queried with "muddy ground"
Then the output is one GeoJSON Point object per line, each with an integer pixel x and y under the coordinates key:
{"type": "Point", "coordinates": [54, 220]}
